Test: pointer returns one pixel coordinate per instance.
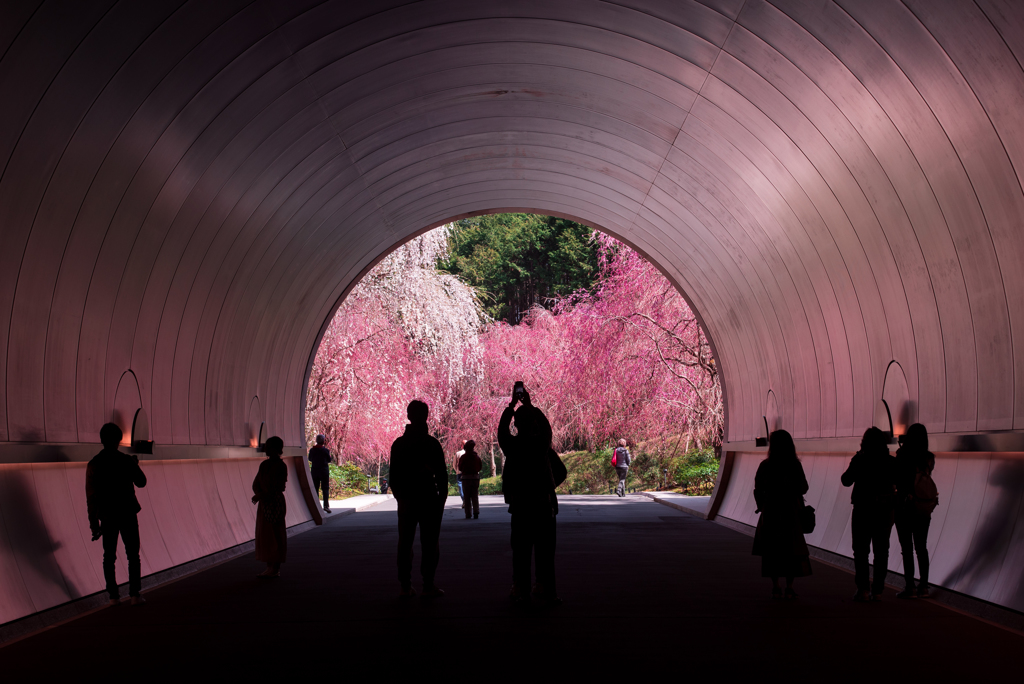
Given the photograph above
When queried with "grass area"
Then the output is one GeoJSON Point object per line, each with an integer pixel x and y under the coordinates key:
{"type": "Point", "coordinates": [342, 494]}
{"type": "Point", "coordinates": [488, 485]}
{"type": "Point", "coordinates": [592, 473]}
{"type": "Point", "coordinates": [691, 473]}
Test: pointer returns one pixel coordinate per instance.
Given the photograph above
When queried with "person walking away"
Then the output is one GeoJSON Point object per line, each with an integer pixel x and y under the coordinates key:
{"type": "Point", "coordinates": [268, 494]}
{"type": "Point", "coordinates": [320, 470]}
{"type": "Point", "coordinates": [469, 471]}
{"type": "Point", "coordinates": [916, 498]}
{"type": "Point", "coordinates": [779, 488]}
{"type": "Point", "coordinates": [620, 460]}
{"type": "Point", "coordinates": [113, 509]}
{"type": "Point", "coordinates": [872, 475]}
{"type": "Point", "coordinates": [532, 471]}
{"type": "Point", "coordinates": [419, 481]}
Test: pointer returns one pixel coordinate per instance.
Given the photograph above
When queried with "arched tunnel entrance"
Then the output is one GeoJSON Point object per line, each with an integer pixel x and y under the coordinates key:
{"type": "Point", "coordinates": [606, 345]}
{"type": "Point", "coordinates": [188, 192]}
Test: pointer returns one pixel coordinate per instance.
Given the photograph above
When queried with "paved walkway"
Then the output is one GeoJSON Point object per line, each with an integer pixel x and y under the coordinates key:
{"type": "Point", "coordinates": [647, 589]}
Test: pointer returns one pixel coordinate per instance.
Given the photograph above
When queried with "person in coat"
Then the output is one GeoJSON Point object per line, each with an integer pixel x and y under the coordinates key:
{"type": "Point", "coordinates": [531, 473]}
{"type": "Point", "coordinates": [268, 495]}
{"type": "Point", "coordinates": [913, 517]}
{"type": "Point", "coordinates": [320, 470]}
{"type": "Point", "coordinates": [110, 481]}
{"type": "Point", "coordinates": [779, 488]}
{"type": "Point", "coordinates": [622, 460]}
{"type": "Point", "coordinates": [872, 475]}
{"type": "Point", "coordinates": [469, 471]}
{"type": "Point", "coordinates": [419, 481]}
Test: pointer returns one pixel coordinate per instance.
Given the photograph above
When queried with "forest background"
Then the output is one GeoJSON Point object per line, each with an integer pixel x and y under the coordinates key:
{"type": "Point", "coordinates": [604, 343]}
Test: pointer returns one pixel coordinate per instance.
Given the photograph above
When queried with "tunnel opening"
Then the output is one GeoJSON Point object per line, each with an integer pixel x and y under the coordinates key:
{"type": "Point", "coordinates": [605, 341]}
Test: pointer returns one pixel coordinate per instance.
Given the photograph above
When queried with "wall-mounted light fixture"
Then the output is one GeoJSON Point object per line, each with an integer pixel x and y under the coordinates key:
{"type": "Point", "coordinates": [141, 443]}
{"type": "Point", "coordinates": [763, 441]}
{"type": "Point", "coordinates": [883, 420]}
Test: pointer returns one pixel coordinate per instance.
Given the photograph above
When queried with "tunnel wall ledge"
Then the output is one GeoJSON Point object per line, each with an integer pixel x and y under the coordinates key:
{"type": "Point", "coordinates": [997, 441]}
{"type": "Point", "coordinates": [78, 452]}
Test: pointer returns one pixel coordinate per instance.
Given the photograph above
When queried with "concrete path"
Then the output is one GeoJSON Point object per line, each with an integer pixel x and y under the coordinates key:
{"type": "Point", "coordinates": [357, 503]}
{"type": "Point", "coordinates": [694, 505]}
{"type": "Point", "coordinates": [647, 589]}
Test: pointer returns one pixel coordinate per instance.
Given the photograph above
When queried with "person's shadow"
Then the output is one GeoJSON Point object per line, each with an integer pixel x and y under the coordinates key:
{"type": "Point", "coordinates": [28, 535]}
{"type": "Point", "coordinates": [995, 534]}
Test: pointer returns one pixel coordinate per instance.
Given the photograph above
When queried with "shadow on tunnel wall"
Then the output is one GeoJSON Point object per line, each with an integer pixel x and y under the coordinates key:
{"type": "Point", "coordinates": [30, 538]}
{"type": "Point", "coordinates": [994, 539]}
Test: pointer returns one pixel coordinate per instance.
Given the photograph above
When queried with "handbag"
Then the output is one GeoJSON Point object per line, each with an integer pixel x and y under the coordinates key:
{"type": "Point", "coordinates": [273, 509]}
{"type": "Point", "coordinates": [807, 520]}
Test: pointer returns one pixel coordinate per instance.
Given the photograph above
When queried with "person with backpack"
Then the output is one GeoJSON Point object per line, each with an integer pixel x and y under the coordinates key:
{"type": "Point", "coordinates": [469, 471]}
{"type": "Point", "coordinates": [532, 472]}
{"type": "Point", "coordinates": [872, 475]}
{"type": "Point", "coordinates": [916, 498]}
{"type": "Point", "coordinates": [620, 461]}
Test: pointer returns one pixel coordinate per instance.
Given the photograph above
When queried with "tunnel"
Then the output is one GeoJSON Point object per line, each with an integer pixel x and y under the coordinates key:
{"type": "Point", "coordinates": [189, 189]}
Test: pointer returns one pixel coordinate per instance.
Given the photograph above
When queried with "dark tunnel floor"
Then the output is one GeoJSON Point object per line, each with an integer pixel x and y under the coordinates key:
{"type": "Point", "coordinates": [646, 589]}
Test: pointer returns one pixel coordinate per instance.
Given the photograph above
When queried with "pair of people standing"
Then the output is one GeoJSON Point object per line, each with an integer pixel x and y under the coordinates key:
{"type": "Point", "coordinates": [110, 481]}
{"type": "Point", "coordinates": [889, 490]}
{"type": "Point", "coordinates": [531, 474]}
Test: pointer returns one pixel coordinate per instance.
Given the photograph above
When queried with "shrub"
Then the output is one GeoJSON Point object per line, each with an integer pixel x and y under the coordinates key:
{"type": "Point", "coordinates": [347, 480]}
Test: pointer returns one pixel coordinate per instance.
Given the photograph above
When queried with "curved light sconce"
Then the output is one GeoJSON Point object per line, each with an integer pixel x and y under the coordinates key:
{"type": "Point", "coordinates": [763, 441]}
{"type": "Point", "coordinates": [141, 443]}
{"type": "Point", "coordinates": [883, 419]}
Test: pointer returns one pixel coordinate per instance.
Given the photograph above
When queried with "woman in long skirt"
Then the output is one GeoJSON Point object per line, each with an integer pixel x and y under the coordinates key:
{"type": "Point", "coordinates": [779, 488]}
{"type": "Point", "coordinates": [268, 493]}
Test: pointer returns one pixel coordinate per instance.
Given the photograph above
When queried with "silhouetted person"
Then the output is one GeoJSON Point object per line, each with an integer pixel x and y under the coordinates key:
{"type": "Point", "coordinates": [469, 471]}
{"type": "Point", "coordinates": [268, 493]}
{"type": "Point", "coordinates": [110, 481]}
{"type": "Point", "coordinates": [419, 481]}
{"type": "Point", "coordinates": [320, 470]}
{"type": "Point", "coordinates": [621, 456]}
{"type": "Point", "coordinates": [872, 474]}
{"type": "Point", "coordinates": [779, 488]}
{"type": "Point", "coordinates": [914, 506]}
{"type": "Point", "coordinates": [532, 471]}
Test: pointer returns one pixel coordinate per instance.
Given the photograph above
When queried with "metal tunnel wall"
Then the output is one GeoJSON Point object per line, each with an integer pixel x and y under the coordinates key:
{"type": "Point", "coordinates": [189, 188]}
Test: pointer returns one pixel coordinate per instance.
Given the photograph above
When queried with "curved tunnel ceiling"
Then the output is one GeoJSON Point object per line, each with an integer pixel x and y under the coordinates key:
{"type": "Point", "coordinates": [188, 190]}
